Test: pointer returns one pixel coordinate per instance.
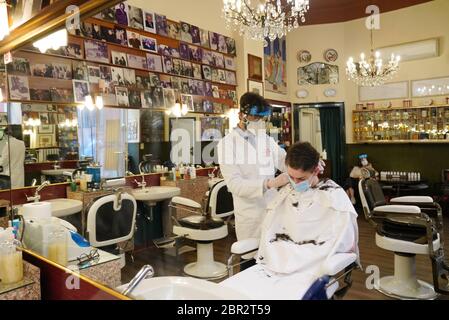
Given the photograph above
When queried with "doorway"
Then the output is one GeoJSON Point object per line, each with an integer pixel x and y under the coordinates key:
{"type": "Point", "coordinates": [183, 137]}
{"type": "Point", "coordinates": [323, 125]}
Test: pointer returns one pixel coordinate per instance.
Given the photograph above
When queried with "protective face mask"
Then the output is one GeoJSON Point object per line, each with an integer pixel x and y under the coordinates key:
{"type": "Point", "coordinates": [300, 187]}
{"type": "Point", "coordinates": [364, 162]}
{"type": "Point", "coordinates": [257, 127]}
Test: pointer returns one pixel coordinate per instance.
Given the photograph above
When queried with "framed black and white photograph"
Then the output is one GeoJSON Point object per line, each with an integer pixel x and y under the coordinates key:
{"type": "Point", "coordinates": [256, 87]}
{"type": "Point", "coordinates": [184, 51]}
{"type": "Point", "coordinates": [18, 87]}
{"type": "Point", "coordinates": [40, 95]}
{"type": "Point", "coordinates": [129, 76]}
{"type": "Point", "coordinates": [119, 58]}
{"type": "Point", "coordinates": [155, 81]}
{"type": "Point", "coordinates": [168, 51]}
{"type": "Point", "coordinates": [108, 14]}
{"type": "Point", "coordinates": [121, 14]}
{"type": "Point", "coordinates": [215, 92]}
{"type": "Point", "coordinates": [198, 86]}
{"type": "Point", "coordinates": [149, 44]}
{"type": "Point", "coordinates": [195, 32]}
{"type": "Point", "coordinates": [146, 99]}
{"type": "Point", "coordinates": [137, 62]}
{"type": "Point", "coordinates": [230, 43]}
{"type": "Point", "coordinates": [218, 59]}
{"type": "Point", "coordinates": [79, 70]}
{"type": "Point", "coordinates": [208, 89]}
{"type": "Point", "coordinates": [196, 54]}
{"type": "Point", "coordinates": [154, 62]}
{"type": "Point", "coordinates": [177, 67]}
{"type": "Point", "coordinates": [215, 76]}
{"type": "Point", "coordinates": [186, 34]}
{"type": "Point", "coordinates": [169, 98]}
{"type": "Point", "coordinates": [187, 99]}
{"type": "Point", "coordinates": [117, 76]}
{"type": "Point", "coordinates": [174, 30]}
{"type": "Point", "coordinates": [165, 81]}
{"type": "Point", "coordinates": [121, 94]}
{"type": "Point", "coordinates": [44, 118]}
{"type": "Point", "coordinates": [230, 63]}
{"type": "Point", "coordinates": [161, 25]}
{"type": "Point", "coordinates": [222, 45]}
{"type": "Point", "coordinates": [45, 128]}
{"type": "Point", "coordinates": [231, 78]}
{"type": "Point", "coordinates": [186, 69]}
{"type": "Point", "coordinates": [204, 36]}
{"type": "Point", "coordinates": [133, 39]}
{"type": "Point", "coordinates": [149, 21]}
{"type": "Point", "coordinates": [134, 98]}
{"type": "Point", "coordinates": [176, 83]}
{"type": "Point", "coordinates": [185, 88]}
{"type": "Point", "coordinates": [45, 140]}
{"type": "Point", "coordinates": [142, 82]}
{"type": "Point", "coordinates": [168, 64]}
{"type": "Point", "coordinates": [135, 17]}
{"type": "Point", "coordinates": [94, 74]}
{"type": "Point", "coordinates": [197, 72]}
{"type": "Point", "coordinates": [207, 58]}
{"type": "Point", "coordinates": [19, 66]}
{"type": "Point", "coordinates": [121, 37]}
{"type": "Point", "coordinates": [207, 72]}
{"type": "Point", "coordinates": [74, 50]}
{"type": "Point", "coordinates": [105, 73]}
{"type": "Point", "coordinates": [157, 94]}
{"type": "Point", "coordinates": [61, 95]}
{"type": "Point", "coordinates": [80, 90]}
{"type": "Point", "coordinates": [96, 51]}
{"type": "Point", "coordinates": [213, 40]}
{"type": "Point", "coordinates": [107, 34]}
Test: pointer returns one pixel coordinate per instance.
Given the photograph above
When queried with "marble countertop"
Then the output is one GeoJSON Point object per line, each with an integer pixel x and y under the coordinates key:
{"type": "Point", "coordinates": [104, 257]}
{"type": "Point", "coordinates": [5, 288]}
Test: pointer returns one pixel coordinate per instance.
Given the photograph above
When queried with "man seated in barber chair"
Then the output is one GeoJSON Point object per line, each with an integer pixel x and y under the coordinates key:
{"type": "Point", "coordinates": [310, 231]}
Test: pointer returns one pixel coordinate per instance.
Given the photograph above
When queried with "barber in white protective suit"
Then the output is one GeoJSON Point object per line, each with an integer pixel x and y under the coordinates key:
{"type": "Point", "coordinates": [248, 160]}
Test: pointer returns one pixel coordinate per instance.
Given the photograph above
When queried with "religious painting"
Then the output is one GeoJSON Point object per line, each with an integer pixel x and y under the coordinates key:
{"type": "Point", "coordinates": [275, 58]}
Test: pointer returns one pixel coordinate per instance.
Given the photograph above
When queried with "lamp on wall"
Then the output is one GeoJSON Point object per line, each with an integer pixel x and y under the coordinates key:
{"type": "Point", "coordinates": [4, 27]}
{"type": "Point", "coordinates": [53, 41]}
{"type": "Point", "coordinates": [178, 110]}
{"type": "Point", "coordinates": [89, 103]}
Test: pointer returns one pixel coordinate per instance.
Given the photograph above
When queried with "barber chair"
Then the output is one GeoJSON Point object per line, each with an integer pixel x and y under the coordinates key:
{"type": "Point", "coordinates": [407, 226]}
{"type": "Point", "coordinates": [204, 227]}
{"type": "Point", "coordinates": [111, 220]}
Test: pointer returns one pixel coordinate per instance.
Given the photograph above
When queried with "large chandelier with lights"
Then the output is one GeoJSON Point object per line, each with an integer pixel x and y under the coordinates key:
{"type": "Point", "coordinates": [373, 71]}
{"type": "Point", "coordinates": [264, 19]}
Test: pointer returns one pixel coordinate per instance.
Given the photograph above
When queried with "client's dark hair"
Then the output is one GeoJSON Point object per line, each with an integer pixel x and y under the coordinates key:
{"type": "Point", "coordinates": [302, 156]}
{"type": "Point", "coordinates": [250, 99]}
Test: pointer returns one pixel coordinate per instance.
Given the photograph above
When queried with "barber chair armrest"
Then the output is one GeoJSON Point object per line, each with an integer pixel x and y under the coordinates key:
{"type": "Point", "coordinates": [412, 199]}
{"type": "Point", "coordinates": [245, 246]}
{"type": "Point", "coordinates": [185, 202]}
{"type": "Point", "coordinates": [397, 209]}
{"type": "Point", "coordinates": [338, 262]}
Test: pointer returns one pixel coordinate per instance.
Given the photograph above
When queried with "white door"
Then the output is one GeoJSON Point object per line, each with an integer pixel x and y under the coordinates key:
{"type": "Point", "coordinates": [310, 127]}
{"type": "Point", "coordinates": [183, 140]}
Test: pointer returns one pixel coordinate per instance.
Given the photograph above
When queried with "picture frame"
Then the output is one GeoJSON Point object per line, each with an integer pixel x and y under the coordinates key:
{"type": "Point", "coordinates": [45, 129]}
{"type": "Point", "coordinates": [256, 87]}
{"type": "Point", "coordinates": [430, 87]}
{"type": "Point", "coordinates": [45, 140]}
{"type": "Point", "coordinates": [255, 68]}
{"type": "Point", "coordinates": [388, 91]}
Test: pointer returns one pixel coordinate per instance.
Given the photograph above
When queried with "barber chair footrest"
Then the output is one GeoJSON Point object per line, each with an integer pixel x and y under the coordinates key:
{"type": "Point", "coordinates": [410, 289]}
{"type": "Point", "coordinates": [212, 270]}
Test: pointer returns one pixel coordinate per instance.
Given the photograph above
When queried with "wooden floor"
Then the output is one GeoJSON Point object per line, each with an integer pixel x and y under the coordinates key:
{"type": "Point", "coordinates": [166, 265]}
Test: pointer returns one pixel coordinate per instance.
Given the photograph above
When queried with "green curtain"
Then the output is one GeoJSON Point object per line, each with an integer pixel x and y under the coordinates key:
{"type": "Point", "coordinates": [331, 128]}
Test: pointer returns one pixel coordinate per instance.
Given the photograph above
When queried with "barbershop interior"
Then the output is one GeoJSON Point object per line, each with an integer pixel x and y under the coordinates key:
{"type": "Point", "coordinates": [254, 150]}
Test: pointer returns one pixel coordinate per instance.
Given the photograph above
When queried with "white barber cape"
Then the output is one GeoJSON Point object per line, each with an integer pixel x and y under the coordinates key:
{"type": "Point", "coordinates": [246, 161]}
{"type": "Point", "coordinates": [302, 230]}
{"type": "Point", "coordinates": [12, 159]}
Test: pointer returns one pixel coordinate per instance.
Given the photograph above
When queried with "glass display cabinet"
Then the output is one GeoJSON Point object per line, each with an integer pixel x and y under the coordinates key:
{"type": "Point", "coordinates": [420, 124]}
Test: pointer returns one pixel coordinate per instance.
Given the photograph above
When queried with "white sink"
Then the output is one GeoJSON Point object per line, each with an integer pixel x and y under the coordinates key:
{"type": "Point", "coordinates": [155, 194]}
{"type": "Point", "coordinates": [56, 172]}
{"type": "Point", "coordinates": [182, 288]}
{"type": "Point", "coordinates": [63, 207]}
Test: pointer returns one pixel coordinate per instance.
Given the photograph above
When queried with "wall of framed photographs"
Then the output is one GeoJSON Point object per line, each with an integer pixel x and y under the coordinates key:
{"type": "Point", "coordinates": [134, 59]}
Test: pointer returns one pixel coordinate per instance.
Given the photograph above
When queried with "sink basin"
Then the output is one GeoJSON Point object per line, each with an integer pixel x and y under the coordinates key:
{"type": "Point", "coordinates": [182, 288]}
{"type": "Point", "coordinates": [155, 194]}
{"type": "Point", "coordinates": [56, 172]}
{"type": "Point", "coordinates": [63, 207]}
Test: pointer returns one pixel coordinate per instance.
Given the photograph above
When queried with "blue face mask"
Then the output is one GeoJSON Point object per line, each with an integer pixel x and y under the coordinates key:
{"type": "Point", "coordinates": [300, 187]}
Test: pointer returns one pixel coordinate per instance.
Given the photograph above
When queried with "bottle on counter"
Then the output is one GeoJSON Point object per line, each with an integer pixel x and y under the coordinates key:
{"type": "Point", "coordinates": [57, 246]}
{"type": "Point", "coordinates": [11, 261]}
{"type": "Point", "coordinates": [193, 172]}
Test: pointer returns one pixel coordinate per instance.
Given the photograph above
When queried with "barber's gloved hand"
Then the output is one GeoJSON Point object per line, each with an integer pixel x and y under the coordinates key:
{"type": "Point", "coordinates": [280, 181]}
{"type": "Point", "coordinates": [320, 168]}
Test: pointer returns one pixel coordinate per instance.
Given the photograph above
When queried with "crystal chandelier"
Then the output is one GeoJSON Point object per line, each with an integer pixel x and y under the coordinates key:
{"type": "Point", "coordinates": [264, 19]}
{"type": "Point", "coordinates": [372, 72]}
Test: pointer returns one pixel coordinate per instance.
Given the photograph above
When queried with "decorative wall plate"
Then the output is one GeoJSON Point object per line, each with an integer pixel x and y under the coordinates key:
{"type": "Point", "coordinates": [302, 93]}
{"type": "Point", "coordinates": [331, 55]}
{"type": "Point", "coordinates": [330, 92]}
{"type": "Point", "coordinates": [304, 56]}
